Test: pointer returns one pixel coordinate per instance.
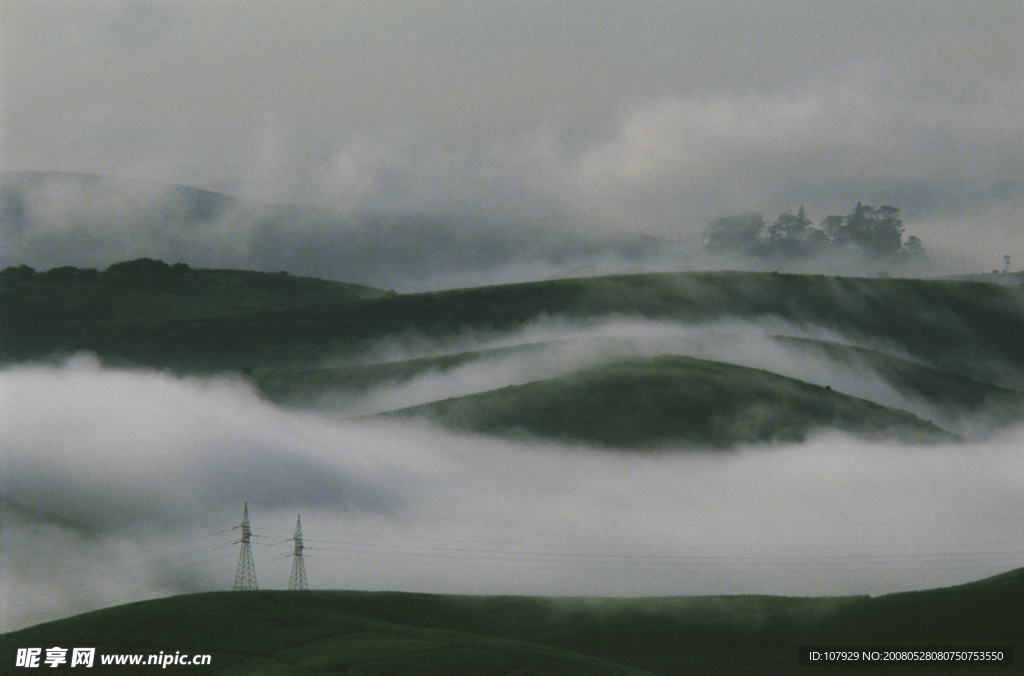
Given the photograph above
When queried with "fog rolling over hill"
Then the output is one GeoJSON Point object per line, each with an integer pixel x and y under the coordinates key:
{"type": "Point", "coordinates": [509, 298]}
{"type": "Point", "coordinates": [814, 435]}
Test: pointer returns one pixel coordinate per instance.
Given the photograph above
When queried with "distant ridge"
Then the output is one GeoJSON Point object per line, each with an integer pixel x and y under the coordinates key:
{"type": "Point", "coordinates": [43, 215]}
{"type": "Point", "coordinates": [16, 191]}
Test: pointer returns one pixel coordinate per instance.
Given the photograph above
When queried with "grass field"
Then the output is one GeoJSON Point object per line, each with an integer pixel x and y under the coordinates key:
{"type": "Point", "coordinates": [226, 320]}
{"type": "Point", "coordinates": [338, 632]}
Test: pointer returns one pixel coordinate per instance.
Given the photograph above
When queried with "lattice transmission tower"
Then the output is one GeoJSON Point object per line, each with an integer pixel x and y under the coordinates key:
{"type": "Point", "coordinates": [297, 580]}
{"type": "Point", "coordinates": [245, 576]}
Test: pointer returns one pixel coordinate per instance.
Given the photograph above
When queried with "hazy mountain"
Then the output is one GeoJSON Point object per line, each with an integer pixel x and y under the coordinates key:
{"type": "Point", "coordinates": [54, 219]}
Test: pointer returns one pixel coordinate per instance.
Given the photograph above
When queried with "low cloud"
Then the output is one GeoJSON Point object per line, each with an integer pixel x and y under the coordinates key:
{"type": "Point", "coordinates": [551, 347]}
{"type": "Point", "coordinates": [141, 475]}
{"type": "Point", "coordinates": [586, 122]}
{"type": "Point", "coordinates": [111, 449]}
{"type": "Point", "coordinates": [51, 220]}
{"type": "Point", "coordinates": [417, 206]}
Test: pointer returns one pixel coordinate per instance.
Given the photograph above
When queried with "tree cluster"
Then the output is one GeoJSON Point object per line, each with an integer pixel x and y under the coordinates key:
{"type": "Point", "coordinates": [870, 232]}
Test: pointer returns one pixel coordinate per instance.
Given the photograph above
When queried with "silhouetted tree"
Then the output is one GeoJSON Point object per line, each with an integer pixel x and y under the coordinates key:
{"type": "Point", "coordinates": [912, 249]}
{"type": "Point", "coordinates": [794, 236]}
{"type": "Point", "coordinates": [141, 265]}
{"type": "Point", "coordinates": [788, 226]}
{"type": "Point", "coordinates": [885, 231]}
{"type": "Point", "coordinates": [735, 233]}
{"type": "Point", "coordinates": [877, 233]}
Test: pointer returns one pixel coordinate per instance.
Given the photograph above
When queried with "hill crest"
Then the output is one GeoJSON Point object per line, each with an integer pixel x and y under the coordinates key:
{"type": "Point", "coordinates": [398, 633]}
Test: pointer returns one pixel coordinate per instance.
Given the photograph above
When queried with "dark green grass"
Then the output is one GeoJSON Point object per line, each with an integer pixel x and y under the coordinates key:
{"type": "Point", "coordinates": [305, 388]}
{"type": "Point", "coordinates": [299, 633]}
{"type": "Point", "coordinates": [133, 309]}
{"type": "Point", "coordinates": [151, 290]}
{"type": "Point", "coordinates": [954, 395]}
{"type": "Point", "coordinates": [963, 327]}
{"type": "Point", "coordinates": [649, 403]}
{"type": "Point", "coordinates": [271, 325]}
{"type": "Point", "coordinates": [398, 633]}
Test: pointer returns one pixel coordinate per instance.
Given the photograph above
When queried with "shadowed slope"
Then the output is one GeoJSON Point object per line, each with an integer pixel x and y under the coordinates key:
{"type": "Point", "coordinates": [394, 633]}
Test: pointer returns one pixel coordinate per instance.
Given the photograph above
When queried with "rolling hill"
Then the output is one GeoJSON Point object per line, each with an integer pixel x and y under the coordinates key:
{"type": "Point", "coordinates": [683, 362]}
{"type": "Point", "coordinates": [329, 632]}
{"type": "Point", "coordinates": [952, 345]}
{"type": "Point", "coordinates": [964, 327]}
{"type": "Point", "coordinates": [647, 403]}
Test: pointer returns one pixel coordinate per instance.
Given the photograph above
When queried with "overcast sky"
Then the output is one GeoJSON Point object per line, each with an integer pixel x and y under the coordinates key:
{"type": "Point", "coordinates": [654, 116]}
{"type": "Point", "coordinates": [650, 116]}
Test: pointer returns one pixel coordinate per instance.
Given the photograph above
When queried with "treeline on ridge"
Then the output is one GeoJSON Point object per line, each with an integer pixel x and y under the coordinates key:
{"type": "Point", "coordinates": [875, 233]}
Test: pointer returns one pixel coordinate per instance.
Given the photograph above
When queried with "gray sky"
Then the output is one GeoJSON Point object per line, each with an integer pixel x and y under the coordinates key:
{"type": "Point", "coordinates": [647, 115]}
{"type": "Point", "coordinates": [655, 116]}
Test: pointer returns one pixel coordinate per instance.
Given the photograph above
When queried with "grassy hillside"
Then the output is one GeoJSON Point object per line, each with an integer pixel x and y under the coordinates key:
{"type": "Point", "coordinates": [955, 396]}
{"type": "Point", "coordinates": [952, 344]}
{"type": "Point", "coordinates": [288, 633]}
{"type": "Point", "coordinates": [395, 633]}
{"type": "Point", "coordinates": [305, 388]}
{"type": "Point", "coordinates": [111, 312]}
{"type": "Point", "coordinates": [963, 327]}
{"type": "Point", "coordinates": [645, 403]}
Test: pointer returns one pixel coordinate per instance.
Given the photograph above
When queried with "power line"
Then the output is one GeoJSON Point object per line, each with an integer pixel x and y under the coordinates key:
{"type": "Point", "coordinates": [508, 554]}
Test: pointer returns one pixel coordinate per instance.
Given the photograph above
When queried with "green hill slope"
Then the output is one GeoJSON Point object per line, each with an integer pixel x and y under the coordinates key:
{"type": "Point", "coordinates": [953, 398]}
{"type": "Point", "coordinates": [306, 388]}
{"type": "Point", "coordinates": [952, 395]}
{"type": "Point", "coordinates": [117, 312]}
{"type": "Point", "coordinates": [952, 344]}
{"type": "Point", "coordinates": [393, 633]}
{"type": "Point", "coordinates": [646, 403]}
{"type": "Point", "coordinates": [963, 327]}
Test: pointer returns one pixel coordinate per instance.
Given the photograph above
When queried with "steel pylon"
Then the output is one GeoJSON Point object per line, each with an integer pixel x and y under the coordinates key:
{"type": "Point", "coordinates": [297, 580]}
{"type": "Point", "coordinates": [245, 575]}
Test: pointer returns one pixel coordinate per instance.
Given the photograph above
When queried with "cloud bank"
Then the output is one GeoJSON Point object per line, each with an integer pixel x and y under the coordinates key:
{"type": "Point", "coordinates": [142, 475]}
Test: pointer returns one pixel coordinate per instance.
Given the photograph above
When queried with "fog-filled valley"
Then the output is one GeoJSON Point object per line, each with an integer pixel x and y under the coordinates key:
{"type": "Point", "coordinates": [563, 337]}
{"type": "Point", "coordinates": [638, 435]}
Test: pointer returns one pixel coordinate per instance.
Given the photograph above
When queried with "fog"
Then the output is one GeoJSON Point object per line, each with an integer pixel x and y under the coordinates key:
{"type": "Point", "coordinates": [122, 485]}
{"type": "Point", "coordinates": [49, 220]}
{"type": "Point", "coordinates": [584, 120]}
{"type": "Point", "coordinates": [551, 347]}
{"type": "Point", "coordinates": [416, 146]}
